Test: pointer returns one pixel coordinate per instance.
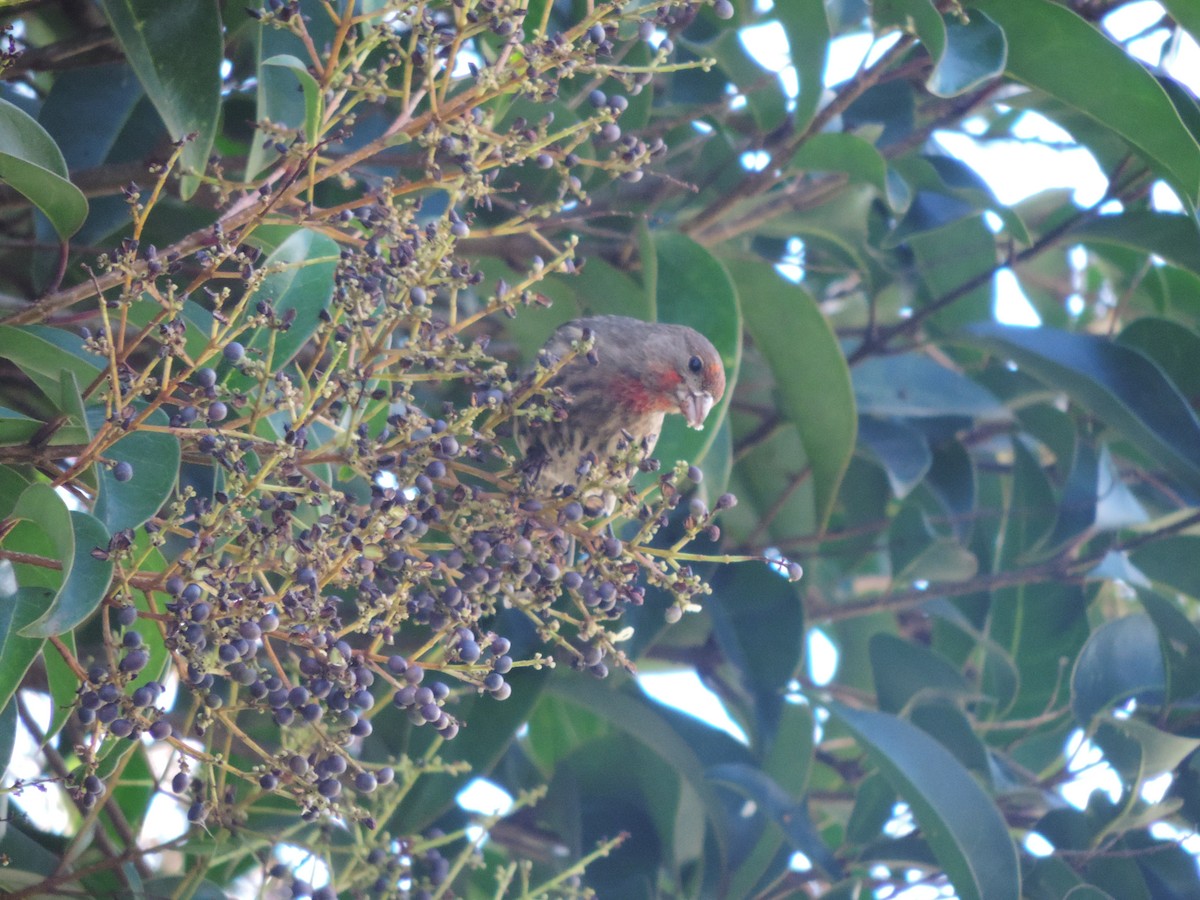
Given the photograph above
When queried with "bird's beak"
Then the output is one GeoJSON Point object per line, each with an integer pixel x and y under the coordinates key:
{"type": "Point", "coordinates": [695, 408]}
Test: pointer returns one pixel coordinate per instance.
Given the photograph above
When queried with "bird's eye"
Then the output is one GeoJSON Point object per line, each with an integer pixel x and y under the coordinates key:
{"type": "Point", "coordinates": [695, 364]}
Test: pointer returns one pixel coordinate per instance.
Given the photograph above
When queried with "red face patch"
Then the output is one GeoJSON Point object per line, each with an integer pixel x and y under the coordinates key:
{"type": "Point", "coordinates": [632, 394]}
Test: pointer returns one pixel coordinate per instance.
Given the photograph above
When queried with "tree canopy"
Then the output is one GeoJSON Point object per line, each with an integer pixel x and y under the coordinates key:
{"type": "Point", "coordinates": [273, 591]}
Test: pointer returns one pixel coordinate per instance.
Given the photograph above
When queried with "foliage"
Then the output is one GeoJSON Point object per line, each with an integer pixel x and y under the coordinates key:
{"type": "Point", "coordinates": [270, 280]}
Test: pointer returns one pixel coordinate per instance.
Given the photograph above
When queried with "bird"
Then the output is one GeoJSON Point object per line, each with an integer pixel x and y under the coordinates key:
{"type": "Point", "coordinates": [611, 398]}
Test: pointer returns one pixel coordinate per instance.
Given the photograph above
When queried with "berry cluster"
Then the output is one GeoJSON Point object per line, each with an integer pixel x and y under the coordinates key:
{"type": "Point", "coordinates": [351, 540]}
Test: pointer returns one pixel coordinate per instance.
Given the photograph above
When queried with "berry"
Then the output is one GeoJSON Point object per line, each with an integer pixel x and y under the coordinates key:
{"type": "Point", "coordinates": [122, 471]}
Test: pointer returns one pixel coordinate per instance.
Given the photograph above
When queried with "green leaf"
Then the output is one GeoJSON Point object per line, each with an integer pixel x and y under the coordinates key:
{"type": "Point", "coordinates": [913, 385]}
{"type": "Point", "coordinates": [1180, 643]}
{"type": "Point", "coordinates": [791, 817]}
{"type": "Point", "coordinates": [1121, 660]}
{"type": "Point", "coordinates": [904, 671]}
{"type": "Point", "coordinates": [18, 607]}
{"type": "Point", "coordinates": [1077, 508]}
{"type": "Point", "coordinates": [557, 728]}
{"type": "Point", "coordinates": [1119, 386]}
{"type": "Point", "coordinates": [1162, 751]}
{"type": "Point", "coordinates": [63, 683]}
{"type": "Point", "coordinates": [16, 428]}
{"type": "Point", "coordinates": [86, 110]}
{"type": "Point", "coordinates": [1128, 99]}
{"type": "Point", "coordinates": [915, 16]}
{"type": "Point", "coordinates": [764, 94]}
{"type": "Point", "coordinates": [961, 825]}
{"type": "Point", "coordinates": [44, 361]}
{"type": "Point", "coordinates": [758, 621]}
{"type": "Point", "coordinates": [8, 730]}
{"type": "Point", "coordinates": [155, 457]}
{"type": "Point", "coordinates": [12, 485]}
{"type": "Point", "coordinates": [276, 98]}
{"type": "Point", "coordinates": [920, 553]}
{"type": "Point", "coordinates": [694, 289]}
{"type": "Point", "coordinates": [811, 376]}
{"type": "Point", "coordinates": [806, 24]}
{"type": "Point", "coordinates": [874, 805]}
{"type": "Point", "coordinates": [901, 449]}
{"type": "Point", "coordinates": [176, 51]}
{"type": "Point", "coordinates": [642, 721]}
{"type": "Point", "coordinates": [1170, 236]}
{"type": "Point", "coordinates": [930, 212]}
{"type": "Point", "coordinates": [33, 165]}
{"type": "Point", "coordinates": [1186, 14]}
{"type": "Point", "coordinates": [1174, 347]}
{"type": "Point", "coordinates": [948, 259]}
{"type": "Point", "coordinates": [301, 279]}
{"type": "Point", "coordinates": [841, 152]}
{"type": "Point", "coordinates": [313, 103]}
{"type": "Point", "coordinates": [975, 51]}
{"type": "Point", "coordinates": [1171, 559]}
{"type": "Point", "coordinates": [85, 578]}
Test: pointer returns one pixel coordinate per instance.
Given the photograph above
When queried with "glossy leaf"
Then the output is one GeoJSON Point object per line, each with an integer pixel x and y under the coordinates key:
{"type": "Point", "coordinates": [806, 24]}
{"type": "Point", "coordinates": [1172, 237]}
{"type": "Point", "coordinates": [810, 372]}
{"type": "Point", "coordinates": [1121, 660]}
{"type": "Point", "coordinates": [85, 578]}
{"type": "Point", "coordinates": [1118, 385]}
{"type": "Point", "coordinates": [1174, 347]}
{"type": "Point", "coordinates": [44, 361]}
{"type": "Point", "coordinates": [958, 820]}
{"type": "Point", "coordinates": [1129, 101]}
{"type": "Point", "coordinates": [276, 99]}
{"type": "Point", "coordinates": [905, 672]}
{"type": "Point", "coordinates": [313, 104]}
{"type": "Point", "coordinates": [764, 95]}
{"type": "Point", "coordinates": [758, 621]}
{"type": "Point", "coordinates": [33, 165]}
{"type": "Point", "coordinates": [976, 51]}
{"type": "Point", "coordinates": [900, 448]}
{"type": "Point", "coordinates": [790, 816]}
{"type": "Point", "coordinates": [8, 735]}
{"type": "Point", "coordinates": [1186, 14]}
{"type": "Point", "coordinates": [913, 385]}
{"type": "Point", "coordinates": [86, 110]}
{"type": "Point", "coordinates": [930, 212]}
{"type": "Point", "coordinates": [1180, 643]}
{"type": "Point", "coordinates": [301, 279]}
{"type": "Point", "coordinates": [915, 16]}
{"type": "Point", "coordinates": [920, 553]}
{"type": "Point", "coordinates": [62, 682]}
{"type": "Point", "coordinates": [848, 153]}
{"type": "Point", "coordinates": [176, 53]}
{"type": "Point", "coordinates": [154, 457]}
{"type": "Point", "coordinates": [1036, 624]}
{"type": "Point", "coordinates": [642, 722]}
{"type": "Point", "coordinates": [16, 428]}
{"type": "Point", "coordinates": [1170, 561]}
{"type": "Point", "coordinates": [1077, 509]}
{"type": "Point", "coordinates": [19, 607]}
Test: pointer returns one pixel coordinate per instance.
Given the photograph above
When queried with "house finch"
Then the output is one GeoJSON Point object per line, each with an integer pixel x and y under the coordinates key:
{"type": "Point", "coordinates": [615, 397]}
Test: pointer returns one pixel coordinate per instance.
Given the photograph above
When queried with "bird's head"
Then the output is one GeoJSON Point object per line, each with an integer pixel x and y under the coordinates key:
{"type": "Point", "coordinates": [699, 381]}
{"type": "Point", "coordinates": [664, 368]}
